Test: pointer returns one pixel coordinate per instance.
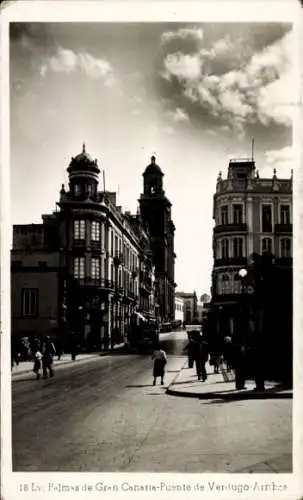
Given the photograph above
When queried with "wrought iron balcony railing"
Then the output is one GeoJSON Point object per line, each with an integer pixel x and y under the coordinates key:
{"type": "Point", "coordinates": [230, 228]}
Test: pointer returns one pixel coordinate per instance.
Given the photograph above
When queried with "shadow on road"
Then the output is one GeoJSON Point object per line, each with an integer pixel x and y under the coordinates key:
{"type": "Point", "coordinates": [139, 385]}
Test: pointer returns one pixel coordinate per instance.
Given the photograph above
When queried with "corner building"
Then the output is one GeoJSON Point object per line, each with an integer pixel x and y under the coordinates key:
{"type": "Point", "coordinates": [252, 215]}
{"type": "Point", "coordinates": [85, 269]}
{"type": "Point", "coordinates": [156, 215]}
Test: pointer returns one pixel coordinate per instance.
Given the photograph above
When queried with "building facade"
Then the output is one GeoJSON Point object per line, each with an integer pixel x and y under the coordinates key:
{"type": "Point", "coordinates": [155, 211]}
{"type": "Point", "coordinates": [253, 216]}
{"type": "Point", "coordinates": [85, 269]}
{"type": "Point", "coordinates": [190, 306]}
{"type": "Point", "coordinates": [179, 309]}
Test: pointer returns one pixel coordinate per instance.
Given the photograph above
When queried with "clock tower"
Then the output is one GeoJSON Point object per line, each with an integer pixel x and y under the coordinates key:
{"type": "Point", "coordinates": [155, 211]}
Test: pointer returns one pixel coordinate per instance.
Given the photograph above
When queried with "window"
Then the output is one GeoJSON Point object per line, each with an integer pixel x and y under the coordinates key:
{"type": "Point", "coordinates": [285, 247]}
{"type": "Point", "coordinates": [112, 242]}
{"type": "Point", "coordinates": [285, 214]}
{"type": "Point", "coordinates": [266, 219]}
{"type": "Point", "coordinates": [95, 231]}
{"type": "Point", "coordinates": [238, 247]}
{"type": "Point", "coordinates": [237, 214]}
{"type": "Point", "coordinates": [236, 286]}
{"type": "Point", "coordinates": [225, 283]}
{"type": "Point", "coordinates": [267, 245]}
{"type": "Point", "coordinates": [89, 189]}
{"type": "Point", "coordinates": [77, 189]}
{"type": "Point", "coordinates": [224, 215]}
{"type": "Point", "coordinates": [224, 249]}
{"type": "Point", "coordinates": [79, 267]}
{"type": "Point", "coordinates": [29, 302]}
{"type": "Point", "coordinates": [79, 229]}
{"type": "Point", "coordinates": [95, 268]}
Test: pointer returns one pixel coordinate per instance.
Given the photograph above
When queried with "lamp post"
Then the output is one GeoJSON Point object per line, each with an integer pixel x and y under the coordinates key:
{"type": "Point", "coordinates": [242, 273]}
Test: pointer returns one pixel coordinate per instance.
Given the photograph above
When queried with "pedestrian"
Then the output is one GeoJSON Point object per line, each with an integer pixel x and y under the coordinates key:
{"type": "Point", "coordinates": [160, 360]}
{"type": "Point", "coordinates": [228, 353]}
{"type": "Point", "coordinates": [49, 352]}
{"type": "Point", "coordinates": [37, 364]}
{"type": "Point", "coordinates": [203, 358]}
{"type": "Point", "coordinates": [191, 348]}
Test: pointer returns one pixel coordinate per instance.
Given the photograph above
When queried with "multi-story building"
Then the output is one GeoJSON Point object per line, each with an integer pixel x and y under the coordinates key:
{"type": "Point", "coordinates": [156, 215]}
{"type": "Point", "coordinates": [252, 215]}
{"type": "Point", "coordinates": [190, 306]}
{"type": "Point", "coordinates": [85, 269]}
{"type": "Point", "coordinates": [179, 309]}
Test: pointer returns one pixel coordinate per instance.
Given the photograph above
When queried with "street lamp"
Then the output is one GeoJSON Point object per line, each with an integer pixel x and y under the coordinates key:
{"type": "Point", "coordinates": [242, 273]}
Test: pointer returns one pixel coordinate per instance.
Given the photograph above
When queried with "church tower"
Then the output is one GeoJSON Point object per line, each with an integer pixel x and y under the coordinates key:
{"type": "Point", "coordinates": [155, 211]}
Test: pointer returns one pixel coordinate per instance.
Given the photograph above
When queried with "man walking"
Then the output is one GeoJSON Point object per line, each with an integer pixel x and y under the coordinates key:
{"type": "Point", "coordinates": [49, 352]}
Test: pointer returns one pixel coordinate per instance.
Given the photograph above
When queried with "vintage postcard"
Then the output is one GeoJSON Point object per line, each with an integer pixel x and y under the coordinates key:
{"type": "Point", "coordinates": [150, 250]}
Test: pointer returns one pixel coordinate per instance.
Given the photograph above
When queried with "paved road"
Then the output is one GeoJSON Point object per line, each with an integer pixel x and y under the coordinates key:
{"type": "Point", "coordinates": [106, 416]}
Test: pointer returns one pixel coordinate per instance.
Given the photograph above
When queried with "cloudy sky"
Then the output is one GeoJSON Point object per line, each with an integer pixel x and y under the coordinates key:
{"type": "Point", "coordinates": [193, 94]}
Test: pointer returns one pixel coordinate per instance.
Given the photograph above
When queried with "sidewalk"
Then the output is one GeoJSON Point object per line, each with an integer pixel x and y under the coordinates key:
{"type": "Point", "coordinates": [187, 385]}
{"type": "Point", "coordinates": [27, 366]}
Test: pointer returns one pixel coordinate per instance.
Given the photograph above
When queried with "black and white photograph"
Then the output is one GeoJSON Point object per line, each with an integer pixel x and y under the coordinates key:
{"type": "Point", "coordinates": [152, 172]}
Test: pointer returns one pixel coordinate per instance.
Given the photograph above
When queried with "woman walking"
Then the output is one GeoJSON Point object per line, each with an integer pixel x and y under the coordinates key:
{"type": "Point", "coordinates": [160, 360]}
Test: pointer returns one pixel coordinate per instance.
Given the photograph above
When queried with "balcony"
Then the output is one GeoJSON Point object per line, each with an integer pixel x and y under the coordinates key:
{"type": "Point", "coordinates": [99, 283]}
{"type": "Point", "coordinates": [283, 229]}
{"type": "Point", "coordinates": [230, 228]}
{"type": "Point", "coordinates": [231, 261]}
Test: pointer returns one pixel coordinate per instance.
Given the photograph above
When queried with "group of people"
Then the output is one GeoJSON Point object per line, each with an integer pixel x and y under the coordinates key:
{"type": "Point", "coordinates": [198, 353]}
{"type": "Point", "coordinates": [246, 358]}
{"type": "Point", "coordinates": [43, 355]}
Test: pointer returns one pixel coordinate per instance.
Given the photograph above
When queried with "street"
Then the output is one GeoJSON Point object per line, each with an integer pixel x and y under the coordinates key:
{"type": "Point", "coordinates": [106, 416]}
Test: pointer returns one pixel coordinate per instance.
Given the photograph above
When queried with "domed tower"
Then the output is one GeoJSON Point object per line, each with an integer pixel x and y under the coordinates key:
{"type": "Point", "coordinates": [153, 179]}
{"type": "Point", "coordinates": [155, 211]}
{"type": "Point", "coordinates": [83, 176]}
{"type": "Point", "coordinates": [82, 230]}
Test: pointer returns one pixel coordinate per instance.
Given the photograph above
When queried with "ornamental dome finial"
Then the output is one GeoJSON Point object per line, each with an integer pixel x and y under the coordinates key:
{"type": "Point", "coordinates": [83, 147]}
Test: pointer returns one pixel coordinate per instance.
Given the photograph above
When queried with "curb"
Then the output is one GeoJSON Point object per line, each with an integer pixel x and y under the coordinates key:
{"type": "Point", "coordinates": [227, 397]}
{"type": "Point", "coordinates": [230, 397]}
{"type": "Point", "coordinates": [175, 378]}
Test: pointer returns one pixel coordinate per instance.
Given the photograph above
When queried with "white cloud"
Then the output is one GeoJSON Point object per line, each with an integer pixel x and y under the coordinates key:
{"type": "Point", "coordinates": [281, 159]}
{"type": "Point", "coordinates": [274, 156]}
{"type": "Point", "coordinates": [179, 115]}
{"type": "Point", "coordinates": [183, 66]}
{"type": "Point", "coordinates": [210, 131]}
{"type": "Point", "coordinates": [183, 33]}
{"type": "Point", "coordinates": [168, 130]}
{"type": "Point", "coordinates": [67, 61]}
{"type": "Point", "coordinates": [255, 92]}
